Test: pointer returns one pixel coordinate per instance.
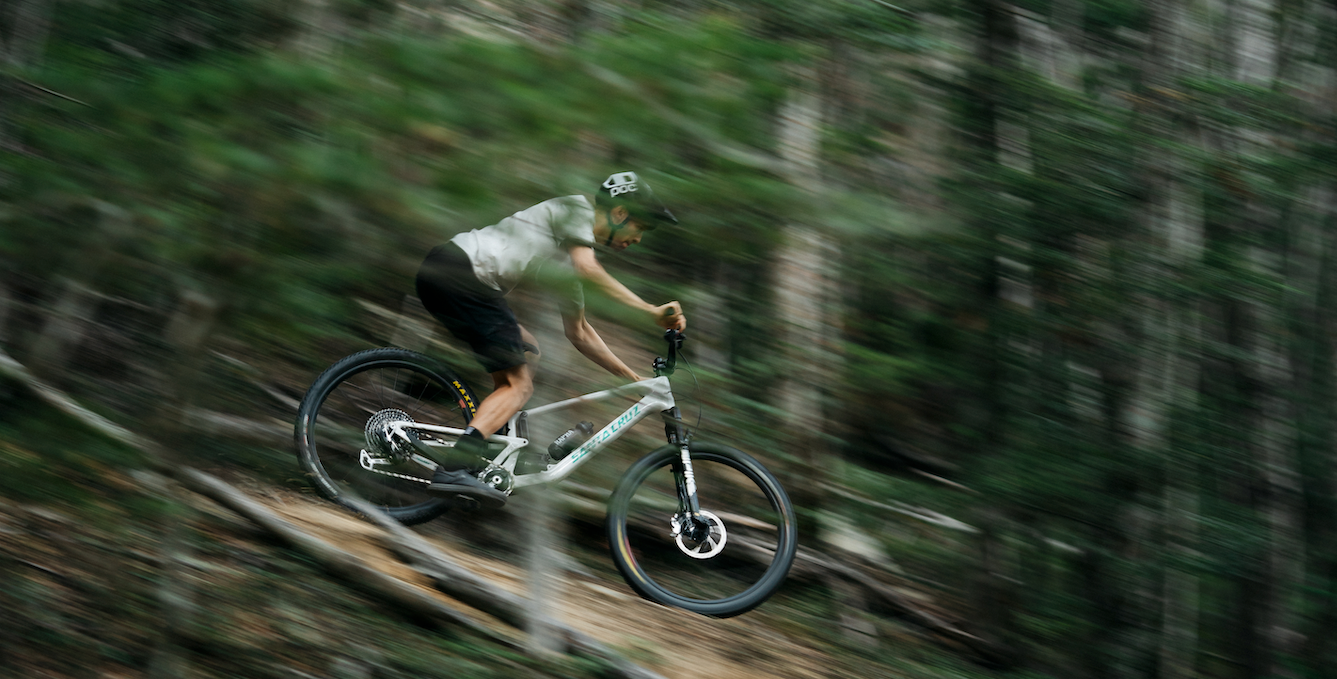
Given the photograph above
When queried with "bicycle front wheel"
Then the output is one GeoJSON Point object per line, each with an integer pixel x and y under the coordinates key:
{"type": "Point", "coordinates": [742, 560]}
{"type": "Point", "coordinates": [339, 424]}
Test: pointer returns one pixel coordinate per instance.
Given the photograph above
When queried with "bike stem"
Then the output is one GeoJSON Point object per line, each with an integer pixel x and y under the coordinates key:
{"type": "Point", "coordinates": [665, 366]}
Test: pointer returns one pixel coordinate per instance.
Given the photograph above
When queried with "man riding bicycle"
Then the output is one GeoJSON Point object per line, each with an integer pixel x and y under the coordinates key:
{"type": "Point", "coordinates": [464, 282]}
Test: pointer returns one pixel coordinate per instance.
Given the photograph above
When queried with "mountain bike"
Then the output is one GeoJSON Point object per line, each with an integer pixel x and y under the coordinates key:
{"type": "Point", "coordinates": [696, 525]}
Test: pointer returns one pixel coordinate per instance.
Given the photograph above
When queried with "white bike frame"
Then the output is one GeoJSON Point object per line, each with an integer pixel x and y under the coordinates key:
{"type": "Point", "coordinates": [657, 396]}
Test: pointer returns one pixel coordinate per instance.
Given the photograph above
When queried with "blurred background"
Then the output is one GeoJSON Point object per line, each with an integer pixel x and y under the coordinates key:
{"type": "Point", "coordinates": [1029, 305]}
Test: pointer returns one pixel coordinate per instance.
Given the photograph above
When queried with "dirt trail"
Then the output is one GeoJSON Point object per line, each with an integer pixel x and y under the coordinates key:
{"type": "Point", "coordinates": [674, 643]}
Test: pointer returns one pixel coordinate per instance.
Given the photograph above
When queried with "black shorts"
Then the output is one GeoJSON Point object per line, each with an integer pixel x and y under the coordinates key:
{"type": "Point", "coordinates": [474, 313]}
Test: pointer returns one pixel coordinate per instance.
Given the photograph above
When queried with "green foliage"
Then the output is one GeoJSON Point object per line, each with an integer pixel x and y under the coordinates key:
{"type": "Point", "coordinates": [1105, 17]}
{"type": "Point", "coordinates": [279, 183]}
{"type": "Point", "coordinates": [129, 35]}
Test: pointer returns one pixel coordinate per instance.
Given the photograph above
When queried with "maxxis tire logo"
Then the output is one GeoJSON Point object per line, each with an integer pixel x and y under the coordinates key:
{"type": "Point", "coordinates": [620, 183]}
{"type": "Point", "coordinates": [465, 400]}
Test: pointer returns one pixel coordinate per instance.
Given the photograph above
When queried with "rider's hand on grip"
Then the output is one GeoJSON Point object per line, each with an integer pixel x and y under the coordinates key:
{"type": "Point", "coordinates": [670, 317]}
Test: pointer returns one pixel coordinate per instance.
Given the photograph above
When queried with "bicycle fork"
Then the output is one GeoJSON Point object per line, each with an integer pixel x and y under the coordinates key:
{"type": "Point", "coordinates": [688, 505]}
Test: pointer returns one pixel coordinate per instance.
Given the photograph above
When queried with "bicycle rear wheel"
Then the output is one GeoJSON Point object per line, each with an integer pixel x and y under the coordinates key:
{"type": "Point", "coordinates": [350, 399]}
{"type": "Point", "coordinates": [743, 560]}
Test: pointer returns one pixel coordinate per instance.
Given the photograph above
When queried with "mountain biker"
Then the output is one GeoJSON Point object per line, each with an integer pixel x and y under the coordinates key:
{"type": "Point", "coordinates": [464, 282]}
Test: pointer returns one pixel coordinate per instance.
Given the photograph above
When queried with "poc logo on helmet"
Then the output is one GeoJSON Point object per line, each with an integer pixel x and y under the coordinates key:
{"type": "Point", "coordinates": [620, 183]}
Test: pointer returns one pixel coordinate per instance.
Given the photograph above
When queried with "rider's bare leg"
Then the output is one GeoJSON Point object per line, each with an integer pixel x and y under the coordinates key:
{"type": "Point", "coordinates": [511, 390]}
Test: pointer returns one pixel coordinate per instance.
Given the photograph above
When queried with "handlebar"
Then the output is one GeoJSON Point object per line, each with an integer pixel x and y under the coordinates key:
{"type": "Point", "coordinates": [664, 366]}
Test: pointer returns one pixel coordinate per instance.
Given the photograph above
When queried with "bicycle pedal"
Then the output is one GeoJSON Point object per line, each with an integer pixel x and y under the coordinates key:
{"type": "Point", "coordinates": [466, 504]}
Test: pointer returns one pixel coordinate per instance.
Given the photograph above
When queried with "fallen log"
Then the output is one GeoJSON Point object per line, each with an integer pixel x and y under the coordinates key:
{"type": "Point", "coordinates": [463, 584]}
{"type": "Point", "coordinates": [212, 423]}
{"type": "Point", "coordinates": [15, 370]}
{"type": "Point", "coordinates": [336, 561]}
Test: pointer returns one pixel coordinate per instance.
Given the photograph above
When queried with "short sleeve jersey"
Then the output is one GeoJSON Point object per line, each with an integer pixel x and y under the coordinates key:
{"type": "Point", "coordinates": [517, 248]}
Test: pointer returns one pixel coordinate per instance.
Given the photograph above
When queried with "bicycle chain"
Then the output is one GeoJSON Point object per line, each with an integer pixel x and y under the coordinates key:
{"type": "Point", "coordinates": [402, 476]}
{"type": "Point", "coordinates": [428, 482]}
{"type": "Point", "coordinates": [397, 475]}
{"type": "Point", "coordinates": [420, 479]}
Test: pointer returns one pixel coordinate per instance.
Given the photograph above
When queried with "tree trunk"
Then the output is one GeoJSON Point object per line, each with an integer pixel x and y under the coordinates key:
{"type": "Point", "coordinates": [1279, 500]}
{"type": "Point", "coordinates": [1321, 635]}
{"type": "Point", "coordinates": [186, 334]}
{"type": "Point", "coordinates": [1300, 64]}
{"type": "Point", "coordinates": [6, 308]}
{"type": "Point", "coordinates": [710, 346]}
{"type": "Point", "coordinates": [1176, 408]}
{"type": "Point", "coordinates": [544, 566]}
{"type": "Point", "coordinates": [320, 29]}
{"type": "Point", "coordinates": [995, 138]}
{"type": "Point", "coordinates": [1181, 231]}
{"type": "Point", "coordinates": [30, 22]}
{"type": "Point", "coordinates": [545, 540]}
{"type": "Point", "coordinates": [63, 329]}
{"type": "Point", "coordinates": [77, 304]}
{"type": "Point", "coordinates": [1165, 386]}
{"type": "Point", "coordinates": [1272, 371]}
{"type": "Point", "coordinates": [806, 307]}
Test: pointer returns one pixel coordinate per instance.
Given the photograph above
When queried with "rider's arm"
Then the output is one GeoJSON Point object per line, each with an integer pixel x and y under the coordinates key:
{"type": "Point", "coordinates": [589, 269]}
{"type": "Point", "coordinates": [591, 345]}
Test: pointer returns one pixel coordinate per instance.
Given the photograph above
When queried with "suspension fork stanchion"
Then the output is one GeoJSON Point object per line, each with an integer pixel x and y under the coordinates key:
{"type": "Point", "coordinates": [682, 467]}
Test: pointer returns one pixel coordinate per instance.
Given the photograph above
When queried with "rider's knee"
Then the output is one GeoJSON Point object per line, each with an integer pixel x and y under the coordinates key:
{"type": "Point", "coordinates": [526, 385]}
{"type": "Point", "coordinates": [532, 353]}
{"type": "Point", "coordinates": [519, 378]}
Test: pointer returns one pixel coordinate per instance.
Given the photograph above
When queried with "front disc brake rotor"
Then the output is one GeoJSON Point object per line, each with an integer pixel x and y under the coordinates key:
{"type": "Point", "coordinates": [710, 545]}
